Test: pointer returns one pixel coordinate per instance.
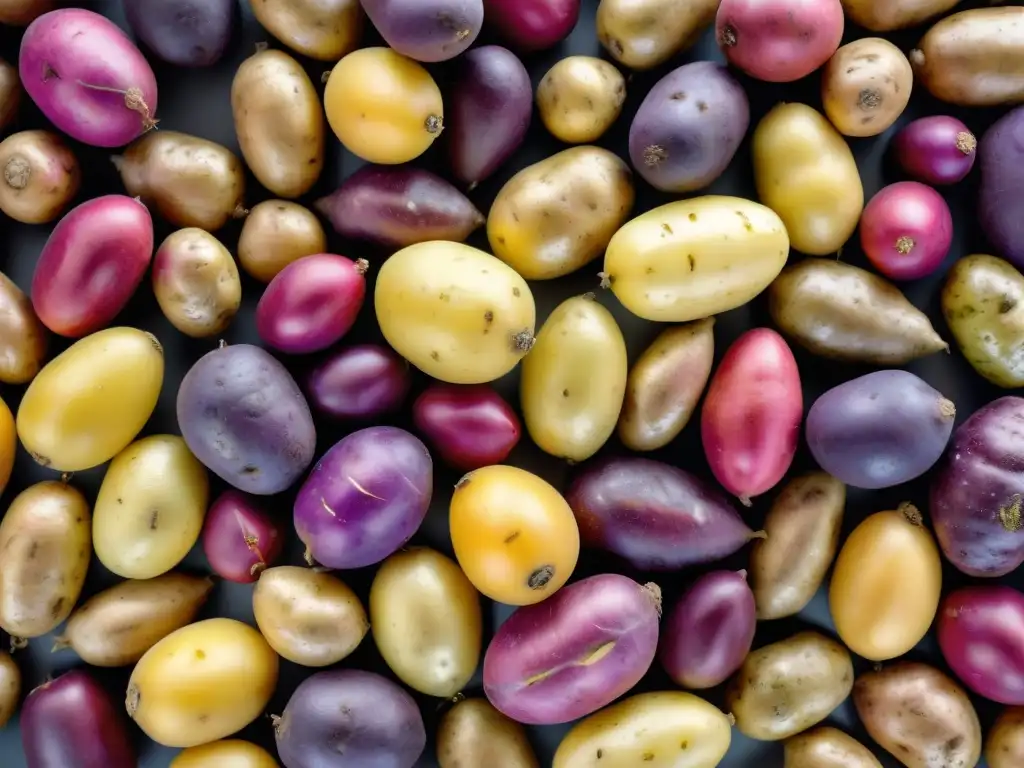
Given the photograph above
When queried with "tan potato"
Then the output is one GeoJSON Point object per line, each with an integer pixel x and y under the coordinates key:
{"type": "Point", "coordinates": [276, 233]}
{"type": "Point", "coordinates": [10, 93]}
{"type": "Point", "coordinates": [473, 733]}
{"type": "Point", "coordinates": [865, 86]}
{"type": "Point", "coordinates": [321, 29]}
{"type": "Point", "coordinates": [1004, 747]}
{"type": "Point", "coordinates": [787, 687]}
{"type": "Point", "coordinates": [579, 98]}
{"type": "Point", "coordinates": [558, 215]}
{"type": "Point", "coordinates": [40, 176]}
{"type": "Point", "coordinates": [20, 13]}
{"type": "Point", "coordinates": [645, 33]}
{"type": "Point", "coordinates": [23, 337]}
{"type": "Point", "coordinates": [10, 687]}
{"type": "Point", "coordinates": [919, 715]}
{"type": "Point", "coordinates": [279, 122]}
{"type": "Point", "coordinates": [826, 747]}
{"type": "Point", "coordinates": [888, 15]}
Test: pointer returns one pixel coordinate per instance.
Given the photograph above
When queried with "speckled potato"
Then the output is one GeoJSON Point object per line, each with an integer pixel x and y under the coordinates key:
{"type": "Point", "coordinates": [642, 34]}
{"type": "Point", "coordinates": [579, 98]}
{"type": "Point", "coordinates": [320, 29]}
{"type": "Point", "coordinates": [827, 747]}
{"type": "Point", "coordinates": [23, 337]}
{"type": "Point", "coordinates": [276, 233]}
{"type": "Point", "coordinates": [10, 691]}
{"type": "Point", "coordinates": [865, 86]}
{"type": "Point", "coordinates": [474, 733]}
{"type": "Point", "coordinates": [889, 15]}
{"type": "Point", "coordinates": [1004, 746]}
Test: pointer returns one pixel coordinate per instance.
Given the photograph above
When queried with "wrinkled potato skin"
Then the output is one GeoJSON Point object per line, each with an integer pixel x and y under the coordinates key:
{"type": "Point", "coordinates": [787, 687]}
{"type": "Point", "coordinates": [473, 733]}
{"type": "Point", "coordinates": [276, 233]}
{"type": "Point", "coordinates": [11, 93]}
{"type": "Point", "coordinates": [579, 98]}
{"type": "Point", "coordinates": [41, 176]}
{"type": "Point", "coordinates": [827, 747]}
{"type": "Point", "coordinates": [865, 86]}
{"type": "Point", "coordinates": [644, 34]}
{"type": "Point", "coordinates": [45, 545]}
{"type": "Point", "coordinates": [23, 338]}
{"type": "Point", "coordinates": [889, 15]}
{"type": "Point", "coordinates": [10, 687]}
{"type": "Point", "coordinates": [1004, 747]}
{"type": "Point", "coordinates": [321, 29]}
{"type": "Point", "coordinates": [558, 215]}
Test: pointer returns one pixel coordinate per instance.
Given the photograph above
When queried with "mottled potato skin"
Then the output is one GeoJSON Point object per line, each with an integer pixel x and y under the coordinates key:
{"type": "Point", "coordinates": [276, 233]}
{"type": "Point", "coordinates": [827, 747]}
{"type": "Point", "coordinates": [865, 86]}
{"type": "Point", "coordinates": [10, 687]}
{"type": "Point", "coordinates": [473, 733]}
{"type": "Point", "coordinates": [23, 338]}
{"type": "Point", "coordinates": [1004, 747]}
{"type": "Point", "coordinates": [579, 98]}
{"type": "Point", "coordinates": [887, 15]}
{"type": "Point", "coordinates": [321, 29]}
{"type": "Point", "coordinates": [643, 34]}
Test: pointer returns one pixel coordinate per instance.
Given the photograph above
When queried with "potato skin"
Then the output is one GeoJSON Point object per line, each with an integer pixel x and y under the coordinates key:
{"type": "Point", "coordinates": [474, 733]}
{"type": "Point", "coordinates": [10, 690]}
{"type": "Point", "coordinates": [41, 176]}
{"type": "Point", "coordinates": [579, 98]}
{"type": "Point", "coordinates": [1004, 746]}
{"type": "Point", "coordinates": [226, 753]}
{"type": "Point", "coordinates": [23, 337]}
{"type": "Point", "coordinates": [8, 444]}
{"type": "Point", "coordinates": [642, 35]}
{"type": "Point", "coordinates": [826, 747]}
{"type": "Point", "coordinates": [889, 15]}
{"type": "Point", "coordinates": [11, 92]}
{"type": "Point", "coordinates": [320, 29]}
{"type": "Point", "coordinates": [865, 86]}
{"type": "Point", "coordinates": [276, 233]}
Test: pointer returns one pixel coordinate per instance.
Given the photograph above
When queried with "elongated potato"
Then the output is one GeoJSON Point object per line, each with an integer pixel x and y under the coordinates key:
{"type": "Point", "coordinates": [23, 338]}
{"type": "Point", "coordinates": [826, 747]}
{"type": "Point", "coordinates": [10, 690]}
{"type": "Point", "coordinates": [695, 258]}
{"type": "Point", "coordinates": [647, 33]}
{"type": "Point", "coordinates": [474, 733]}
{"type": "Point", "coordinates": [888, 15]}
{"type": "Point", "coordinates": [866, 86]}
{"type": "Point", "coordinates": [8, 444]}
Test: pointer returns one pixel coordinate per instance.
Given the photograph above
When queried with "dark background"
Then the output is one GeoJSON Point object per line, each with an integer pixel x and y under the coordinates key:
{"type": "Point", "coordinates": [197, 102]}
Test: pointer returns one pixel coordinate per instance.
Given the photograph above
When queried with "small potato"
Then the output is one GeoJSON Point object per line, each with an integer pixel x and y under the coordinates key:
{"type": "Point", "coordinates": [889, 15]}
{"type": "Point", "coordinates": [309, 617]}
{"type": "Point", "coordinates": [276, 233]}
{"type": "Point", "coordinates": [320, 29]}
{"type": "Point", "coordinates": [1004, 747]}
{"type": "Point", "coordinates": [644, 34]}
{"type": "Point", "coordinates": [20, 12]}
{"type": "Point", "coordinates": [11, 93]}
{"type": "Point", "coordinates": [23, 338]}
{"type": "Point", "coordinates": [227, 753]}
{"type": "Point", "coordinates": [865, 86]}
{"type": "Point", "coordinates": [787, 687]}
{"type": "Point", "coordinates": [579, 98]}
{"type": "Point", "coordinates": [8, 444]}
{"type": "Point", "coordinates": [473, 733]}
{"type": "Point", "coordinates": [826, 747]}
{"type": "Point", "coordinates": [46, 544]}
{"type": "Point", "coordinates": [41, 176]}
{"type": "Point", "coordinates": [10, 692]}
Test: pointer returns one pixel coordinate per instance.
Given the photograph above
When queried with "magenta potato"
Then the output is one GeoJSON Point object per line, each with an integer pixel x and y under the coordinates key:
{"type": "Point", "coordinates": [906, 230]}
{"type": "Point", "coordinates": [365, 498]}
{"type": "Point", "coordinates": [239, 538]}
{"type": "Point", "coordinates": [398, 206]}
{"type": "Point", "coordinates": [359, 382]}
{"type": "Point", "coordinates": [750, 421]}
{"type": "Point", "coordinates": [657, 517]}
{"type": "Point", "coordinates": [488, 112]}
{"type": "Point", "coordinates": [91, 264]}
{"type": "Point", "coordinates": [243, 416]}
{"type": "Point", "coordinates": [470, 426]}
{"type": "Point", "coordinates": [188, 33]}
{"type": "Point", "coordinates": [879, 430]}
{"type": "Point", "coordinates": [88, 78]}
{"type": "Point", "coordinates": [1001, 188]}
{"type": "Point", "coordinates": [938, 149]}
{"type": "Point", "coordinates": [532, 25]}
{"type": "Point", "coordinates": [575, 652]}
{"type": "Point", "coordinates": [71, 722]}
{"type": "Point", "coordinates": [311, 303]}
{"type": "Point", "coordinates": [348, 718]}
{"type": "Point", "coordinates": [427, 30]}
{"type": "Point", "coordinates": [977, 490]}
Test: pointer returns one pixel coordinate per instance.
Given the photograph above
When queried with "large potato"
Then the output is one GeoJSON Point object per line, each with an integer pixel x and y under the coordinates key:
{"type": "Point", "coordinates": [321, 29]}
{"type": "Point", "coordinates": [866, 86]}
{"type": "Point", "coordinates": [887, 15]}
{"type": "Point", "coordinates": [645, 33]}
{"type": "Point", "coordinates": [805, 172]}
{"type": "Point", "coordinates": [474, 733]}
{"type": "Point", "coordinates": [23, 337]}
{"type": "Point", "coordinates": [695, 258]}
{"type": "Point", "coordinates": [579, 98]}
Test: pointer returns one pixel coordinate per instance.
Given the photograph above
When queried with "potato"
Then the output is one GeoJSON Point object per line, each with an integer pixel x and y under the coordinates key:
{"type": "Point", "coordinates": [279, 122]}
{"type": "Point", "coordinates": [227, 753]}
{"type": "Point", "coordinates": [787, 687]}
{"type": "Point", "coordinates": [456, 313]}
{"type": "Point", "coordinates": [91, 400]}
{"type": "Point", "coordinates": [202, 683]}
{"type": "Point", "coordinates": [865, 86]}
{"type": "Point", "coordinates": [579, 98]}
{"type": "Point", "coordinates": [8, 444]}
{"type": "Point", "coordinates": [11, 93]}
{"type": "Point", "coordinates": [10, 692]}
{"type": "Point", "coordinates": [1004, 747]}
{"type": "Point", "coordinates": [23, 338]}
{"type": "Point", "coordinates": [41, 176]}
{"type": "Point", "coordinates": [20, 12]}
{"type": "Point", "coordinates": [694, 258]}
{"type": "Point", "coordinates": [805, 172]}
{"type": "Point", "coordinates": [46, 543]}
{"type": "Point", "coordinates": [827, 747]}
{"type": "Point", "coordinates": [276, 233]}
{"type": "Point", "coordinates": [150, 507]}
{"type": "Point", "coordinates": [888, 15]}
{"type": "Point", "coordinates": [647, 33]}
{"type": "Point", "coordinates": [665, 729]}
{"type": "Point", "coordinates": [473, 733]}
{"type": "Point", "coordinates": [319, 29]}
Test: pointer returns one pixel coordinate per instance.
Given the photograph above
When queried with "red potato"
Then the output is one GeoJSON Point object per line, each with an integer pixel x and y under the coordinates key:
{"type": "Point", "coordinates": [906, 230]}
{"type": "Point", "coordinates": [40, 176]}
{"type": "Point", "coordinates": [239, 538]}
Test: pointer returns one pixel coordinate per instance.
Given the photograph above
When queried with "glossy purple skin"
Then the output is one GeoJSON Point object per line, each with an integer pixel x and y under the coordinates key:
{"type": "Point", "coordinates": [427, 30]}
{"type": "Point", "coordinates": [1001, 190]}
{"type": "Point", "coordinates": [188, 33]}
{"type": "Point", "coordinates": [359, 382]}
{"type": "Point", "coordinates": [78, 67]}
{"type": "Point", "coordinates": [365, 498]}
{"type": "Point", "coordinates": [470, 426]}
{"type": "Point", "coordinates": [532, 25]}
{"type": "Point", "coordinates": [938, 149]}
{"type": "Point", "coordinates": [879, 430]}
{"type": "Point", "coordinates": [683, 144]}
{"type": "Point", "coordinates": [244, 417]}
{"type": "Point", "coordinates": [656, 516]}
{"type": "Point", "coordinates": [72, 722]}
{"type": "Point", "coordinates": [488, 112]}
{"type": "Point", "coordinates": [977, 489]}
{"type": "Point", "coordinates": [710, 630]}
{"type": "Point", "coordinates": [240, 539]}
{"type": "Point", "coordinates": [981, 635]}
{"type": "Point", "coordinates": [906, 209]}
{"type": "Point", "coordinates": [399, 205]}
{"type": "Point", "coordinates": [348, 718]}
{"type": "Point", "coordinates": [557, 639]}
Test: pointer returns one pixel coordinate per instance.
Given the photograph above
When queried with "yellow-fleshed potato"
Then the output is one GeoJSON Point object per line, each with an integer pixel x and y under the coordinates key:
{"type": "Point", "coordinates": [579, 98]}
{"type": "Point", "coordinates": [665, 729]}
{"type": "Point", "coordinates": [865, 86]}
{"type": "Point", "coordinates": [383, 106]}
{"type": "Point", "coordinates": [826, 747]}
{"type": "Point", "coordinates": [558, 215]}
{"type": "Point", "coordinates": [426, 621]}
{"type": "Point", "coordinates": [645, 33]}
{"type": "Point", "coordinates": [45, 545]}
{"type": "Point", "coordinates": [574, 380]}
{"type": "Point", "coordinates": [276, 233]}
{"type": "Point", "coordinates": [201, 683]}
{"type": "Point", "coordinates": [90, 401]}
{"type": "Point", "coordinates": [150, 508]}
{"type": "Point", "coordinates": [279, 122]}
{"type": "Point", "coordinates": [321, 29]}
{"type": "Point", "coordinates": [10, 690]}
{"type": "Point", "coordinates": [474, 733]}
{"type": "Point", "coordinates": [1004, 747]}
{"type": "Point", "coordinates": [23, 337]}
{"type": "Point", "coordinates": [805, 172]}
{"type": "Point", "coordinates": [458, 314]}
{"type": "Point", "coordinates": [695, 258]}
{"type": "Point", "coordinates": [228, 753]}
{"type": "Point", "coordinates": [889, 15]}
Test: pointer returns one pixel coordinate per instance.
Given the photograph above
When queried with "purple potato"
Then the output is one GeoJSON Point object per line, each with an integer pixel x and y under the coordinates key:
{"type": "Point", "coordinates": [879, 430]}
{"type": "Point", "coordinates": [575, 652]}
{"type": "Point", "coordinates": [709, 632]}
{"type": "Point", "coordinates": [937, 149]}
{"type": "Point", "coordinates": [365, 498]}
{"type": "Point", "coordinates": [398, 206]}
{"type": "Point", "coordinates": [1001, 190]}
{"type": "Point", "coordinates": [656, 516]}
{"type": "Point", "coordinates": [427, 30]}
{"type": "Point", "coordinates": [532, 25]}
{"type": "Point", "coordinates": [489, 112]}
{"type": "Point", "coordinates": [244, 417]}
{"type": "Point", "coordinates": [977, 491]}
{"type": "Point", "coordinates": [189, 33]}
{"type": "Point", "coordinates": [359, 382]}
{"type": "Point", "coordinates": [688, 128]}
{"type": "Point", "coordinates": [348, 718]}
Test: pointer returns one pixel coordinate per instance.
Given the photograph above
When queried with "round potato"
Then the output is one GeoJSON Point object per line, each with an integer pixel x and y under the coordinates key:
{"type": "Point", "coordinates": [826, 747]}
{"type": "Point", "coordinates": [320, 29]}
{"type": "Point", "coordinates": [10, 691]}
{"type": "Point", "coordinates": [474, 733]}
{"type": "Point", "coordinates": [23, 337]}
{"type": "Point", "coordinates": [1004, 747]}
{"type": "Point", "coordinates": [276, 233]}
{"type": "Point", "coordinates": [865, 86]}
{"type": "Point", "coordinates": [645, 33]}
{"type": "Point", "coordinates": [579, 98]}
{"type": "Point", "coordinates": [40, 176]}
{"type": "Point", "coordinates": [228, 753]}
{"type": "Point", "coordinates": [889, 15]}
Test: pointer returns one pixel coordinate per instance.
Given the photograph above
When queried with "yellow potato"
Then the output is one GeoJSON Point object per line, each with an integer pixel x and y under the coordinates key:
{"type": "Point", "coordinates": [645, 33]}
{"type": "Point", "coordinates": [579, 98]}
{"type": "Point", "coordinates": [1004, 746]}
{"type": "Point", "coordinates": [90, 401]}
{"type": "Point", "coordinates": [23, 337]}
{"type": "Point", "coordinates": [695, 258]}
{"type": "Point", "coordinates": [276, 233]}
{"type": "Point", "coordinates": [474, 733]}
{"type": "Point", "coordinates": [574, 380]}
{"type": "Point", "coordinates": [889, 15]}
{"type": "Point", "coordinates": [865, 86]}
{"type": "Point", "coordinates": [10, 690]}
{"type": "Point", "coordinates": [150, 508]}
{"type": "Point", "coordinates": [321, 29]}
{"type": "Point", "coordinates": [826, 747]}
{"type": "Point", "coordinates": [805, 172]}
{"type": "Point", "coordinates": [229, 753]}
{"type": "Point", "coordinates": [456, 313]}
{"type": "Point", "coordinates": [8, 444]}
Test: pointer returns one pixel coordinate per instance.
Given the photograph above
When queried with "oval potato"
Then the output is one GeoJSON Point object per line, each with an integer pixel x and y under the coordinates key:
{"type": "Point", "coordinates": [321, 29]}
{"type": "Point", "coordinates": [647, 33]}
{"type": "Point", "coordinates": [276, 233]}
{"type": "Point", "coordinates": [865, 86]}
{"type": "Point", "coordinates": [474, 733]}
{"type": "Point", "coordinates": [889, 15]}
{"type": "Point", "coordinates": [1004, 746]}
{"type": "Point", "coordinates": [579, 98]}
{"type": "Point", "coordinates": [827, 747]}
{"type": "Point", "coordinates": [23, 337]}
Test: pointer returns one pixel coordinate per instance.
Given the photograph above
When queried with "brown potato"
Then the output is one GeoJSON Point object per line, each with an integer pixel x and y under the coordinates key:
{"type": "Point", "coordinates": [276, 233]}
{"type": "Point", "coordinates": [23, 337]}
{"type": "Point", "coordinates": [41, 176]}
{"type": "Point", "coordinates": [865, 86]}
{"type": "Point", "coordinates": [10, 93]}
{"type": "Point", "coordinates": [473, 733]}
{"type": "Point", "coordinates": [919, 715]}
{"type": "Point", "coordinates": [645, 33]}
{"type": "Point", "coordinates": [787, 687]}
{"type": "Point", "coordinates": [321, 29]}
{"type": "Point", "coordinates": [579, 98]}
{"type": "Point", "coordinates": [887, 15]}
{"type": "Point", "coordinates": [10, 687]}
{"type": "Point", "coordinates": [279, 121]}
{"type": "Point", "coordinates": [117, 626]}
{"type": "Point", "coordinates": [802, 527]}
{"type": "Point", "coordinates": [20, 13]}
{"type": "Point", "coordinates": [191, 181]}
{"type": "Point", "coordinates": [1004, 747]}
{"type": "Point", "coordinates": [827, 747]}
